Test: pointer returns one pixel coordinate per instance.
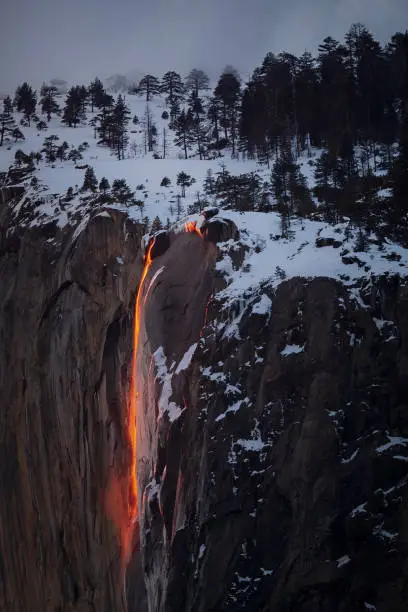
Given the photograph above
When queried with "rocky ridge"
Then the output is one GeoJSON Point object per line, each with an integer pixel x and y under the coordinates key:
{"type": "Point", "coordinates": [272, 433]}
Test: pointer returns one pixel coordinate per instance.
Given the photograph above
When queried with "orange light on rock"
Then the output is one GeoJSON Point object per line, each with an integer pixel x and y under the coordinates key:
{"type": "Point", "coordinates": [191, 226]}
{"type": "Point", "coordinates": [121, 499]}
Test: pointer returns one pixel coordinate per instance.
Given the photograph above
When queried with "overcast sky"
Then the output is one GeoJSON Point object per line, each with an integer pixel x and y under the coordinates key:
{"type": "Point", "coordinates": [79, 39]}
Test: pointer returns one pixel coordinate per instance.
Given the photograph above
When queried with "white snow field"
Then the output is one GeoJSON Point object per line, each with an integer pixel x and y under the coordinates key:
{"type": "Point", "coordinates": [269, 256]}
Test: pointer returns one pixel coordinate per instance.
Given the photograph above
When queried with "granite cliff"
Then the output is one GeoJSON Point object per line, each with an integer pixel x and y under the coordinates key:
{"type": "Point", "coordinates": [271, 430]}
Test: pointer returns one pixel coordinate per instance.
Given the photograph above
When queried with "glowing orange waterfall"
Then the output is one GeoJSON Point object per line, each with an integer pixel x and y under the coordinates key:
{"type": "Point", "coordinates": [121, 496]}
{"type": "Point", "coordinates": [121, 499]}
{"type": "Point", "coordinates": [133, 389]}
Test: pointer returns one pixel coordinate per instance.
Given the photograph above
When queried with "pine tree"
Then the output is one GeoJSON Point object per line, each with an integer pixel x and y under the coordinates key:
{"type": "Point", "coordinates": [184, 126]}
{"type": "Point", "coordinates": [7, 123]}
{"type": "Point", "coordinates": [22, 158]}
{"type": "Point", "coordinates": [306, 79]}
{"type": "Point", "coordinates": [397, 53]}
{"type": "Point", "coordinates": [172, 85]}
{"type": "Point", "coordinates": [214, 115]}
{"type": "Point", "coordinates": [104, 185]}
{"type": "Point", "coordinates": [50, 148]}
{"type": "Point", "coordinates": [119, 120]}
{"type": "Point", "coordinates": [26, 101]}
{"type": "Point", "coordinates": [197, 81]}
{"type": "Point", "coordinates": [49, 105]}
{"type": "Point", "coordinates": [149, 86]}
{"type": "Point", "coordinates": [74, 155]}
{"type": "Point", "coordinates": [122, 192]}
{"type": "Point", "coordinates": [149, 130]}
{"type": "Point", "coordinates": [156, 225]}
{"type": "Point", "coordinates": [96, 93]}
{"type": "Point", "coordinates": [260, 125]}
{"type": "Point", "coordinates": [73, 112]}
{"type": "Point", "coordinates": [289, 185]}
{"type": "Point", "coordinates": [198, 126]}
{"type": "Point", "coordinates": [174, 112]}
{"type": "Point", "coordinates": [228, 94]}
{"type": "Point", "coordinates": [17, 134]}
{"type": "Point", "coordinates": [333, 105]}
{"type": "Point", "coordinates": [61, 151]}
{"type": "Point", "coordinates": [83, 95]}
{"type": "Point", "coordinates": [7, 105]}
{"type": "Point", "coordinates": [90, 181]}
{"type": "Point", "coordinates": [103, 123]}
{"type": "Point", "coordinates": [184, 180]}
{"type": "Point", "coordinates": [112, 128]}
{"type": "Point", "coordinates": [165, 182]}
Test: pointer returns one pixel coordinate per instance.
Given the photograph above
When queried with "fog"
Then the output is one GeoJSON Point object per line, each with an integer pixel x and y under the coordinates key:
{"type": "Point", "coordinates": [79, 39]}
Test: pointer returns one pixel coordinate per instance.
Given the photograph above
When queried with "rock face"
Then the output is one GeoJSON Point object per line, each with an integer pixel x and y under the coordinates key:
{"type": "Point", "coordinates": [272, 436]}
{"type": "Point", "coordinates": [174, 314]}
{"type": "Point", "coordinates": [66, 310]}
{"type": "Point", "coordinates": [282, 485]}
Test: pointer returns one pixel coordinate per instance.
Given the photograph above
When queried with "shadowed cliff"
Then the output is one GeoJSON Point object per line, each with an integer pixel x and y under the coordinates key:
{"type": "Point", "coordinates": [66, 309]}
{"type": "Point", "coordinates": [272, 432]}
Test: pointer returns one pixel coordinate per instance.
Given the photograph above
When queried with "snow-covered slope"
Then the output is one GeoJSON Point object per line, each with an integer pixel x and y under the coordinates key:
{"type": "Point", "coordinates": [140, 169]}
{"type": "Point", "coordinates": [312, 249]}
{"type": "Point", "coordinates": [307, 248]}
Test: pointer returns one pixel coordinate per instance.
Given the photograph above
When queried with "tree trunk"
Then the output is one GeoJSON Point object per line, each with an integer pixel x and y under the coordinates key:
{"type": "Point", "coordinates": [199, 141]}
{"type": "Point", "coordinates": [233, 133]}
{"type": "Point", "coordinates": [185, 144]}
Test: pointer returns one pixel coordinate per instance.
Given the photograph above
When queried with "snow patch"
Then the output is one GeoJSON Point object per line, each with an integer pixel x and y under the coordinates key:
{"type": "Point", "coordinates": [381, 323]}
{"type": "Point", "coordinates": [104, 213]}
{"type": "Point", "coordinates": [392, 441]}
{"type": "Point", "coordinates": [343, 561]}
{"type": "Point", "coordinates": [384, 534]}
{"type": "Point", "coordinates": [361, 509]}
{"type": "Point", "coordinates": [292, 349]}
{"type": "Point", "coordinates": [186, 359]}
{"type": "Point", "coordinates": [350, 459]}
{"type": "Point", "coordinates": [165, 378]}
{"type": "Point", "coordinates": [263, 307]}
{"type": "Point", "coordinates": [251, 445]}
{"type": "Point", "coordinates": [234, 408]}
{"type": "Point", "coordinates": [80, 227]}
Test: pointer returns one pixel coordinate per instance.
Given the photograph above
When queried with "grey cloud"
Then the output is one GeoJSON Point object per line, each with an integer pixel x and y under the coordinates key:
{"type": "Point", "coordinates": [80, 39]}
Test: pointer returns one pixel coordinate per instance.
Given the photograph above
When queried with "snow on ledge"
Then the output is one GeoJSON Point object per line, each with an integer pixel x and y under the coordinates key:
{"type": "Point", "coordinates": [343, 561]}
{"type": "Point", "coordinates": [263, 307]}
{"type": "Point", "coordinates": [292, 349]}
{"type": "Point", "coordinates": [392, 441]}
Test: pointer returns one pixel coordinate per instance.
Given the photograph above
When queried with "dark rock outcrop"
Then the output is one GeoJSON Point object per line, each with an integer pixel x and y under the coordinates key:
{"type": "Point", "coordinates": [283, 484]}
